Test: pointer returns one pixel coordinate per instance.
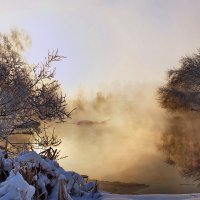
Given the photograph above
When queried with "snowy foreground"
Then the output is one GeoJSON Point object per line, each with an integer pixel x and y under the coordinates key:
{"type": "Point", "coordinates": [30, 176]}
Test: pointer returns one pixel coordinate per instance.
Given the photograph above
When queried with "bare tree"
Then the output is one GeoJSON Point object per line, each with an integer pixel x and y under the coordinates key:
{"type": "Point", "coordinates": [29, 94]}
{"type": "Point", "coordinates": [180, 141]}
{"type": "Point", "coordinates": [182, 91]}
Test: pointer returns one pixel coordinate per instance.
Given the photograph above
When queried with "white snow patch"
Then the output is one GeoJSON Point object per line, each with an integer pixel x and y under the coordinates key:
{"type": "Point", "coordinates": [16, 188]}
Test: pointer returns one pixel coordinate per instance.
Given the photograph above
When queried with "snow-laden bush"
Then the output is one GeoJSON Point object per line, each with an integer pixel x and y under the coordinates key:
{"type": "Point", "coordinates": [30, 176]}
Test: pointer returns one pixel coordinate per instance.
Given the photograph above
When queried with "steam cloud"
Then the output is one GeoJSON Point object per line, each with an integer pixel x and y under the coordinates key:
{"type": "Point", "coordinates": [115, 136]}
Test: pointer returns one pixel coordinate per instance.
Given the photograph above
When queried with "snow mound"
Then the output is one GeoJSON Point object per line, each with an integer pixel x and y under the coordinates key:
{"type": "Point", "coordinates": [15, 187]}
{"type": "Point", "coordinates": [32, 176]}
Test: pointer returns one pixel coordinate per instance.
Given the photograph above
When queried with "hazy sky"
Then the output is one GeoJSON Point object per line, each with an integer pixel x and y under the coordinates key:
{"type": "Point", "coordinates": [107, 40]}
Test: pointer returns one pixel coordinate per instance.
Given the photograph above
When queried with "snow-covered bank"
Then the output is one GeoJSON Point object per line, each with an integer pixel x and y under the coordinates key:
{"type": "Point", "coordinates": [30, 176]}
{"type": "Point", "coordinates": [151, 197]}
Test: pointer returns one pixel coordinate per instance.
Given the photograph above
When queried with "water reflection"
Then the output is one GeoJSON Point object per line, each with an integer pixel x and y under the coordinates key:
{"type": "Point", "coordinates": [181, 144]}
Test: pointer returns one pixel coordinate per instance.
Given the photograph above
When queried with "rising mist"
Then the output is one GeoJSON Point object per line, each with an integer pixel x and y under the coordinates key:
{"type": "Point", "coordinates": [118, 135]}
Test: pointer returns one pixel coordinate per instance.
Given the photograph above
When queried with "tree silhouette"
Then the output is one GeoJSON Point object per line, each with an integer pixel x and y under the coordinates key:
{"type": "Point", "coordinates": [182, 91]}
{"type": "Point", "coordinates": [29, 93]}
{"type": "Point", "coordinates": [181, 97]}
